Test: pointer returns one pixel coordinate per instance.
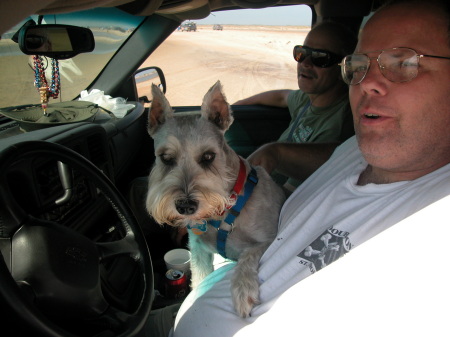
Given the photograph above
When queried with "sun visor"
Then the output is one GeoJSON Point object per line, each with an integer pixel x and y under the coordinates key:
{"type": "Point", "coordinates": [343, 8]}
{"type": "Point", "coordinates": [67, 6]}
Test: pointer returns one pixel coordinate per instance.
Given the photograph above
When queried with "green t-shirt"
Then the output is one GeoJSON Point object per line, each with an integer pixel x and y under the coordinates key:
{"type": "Point", "coordinates": [333, 123]}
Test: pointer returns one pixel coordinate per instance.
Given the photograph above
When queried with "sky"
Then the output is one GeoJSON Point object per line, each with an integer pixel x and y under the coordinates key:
{"type": "Point", "coordinates": [287, 15]}
{"type": "Point", "coordinates": [298, 15]}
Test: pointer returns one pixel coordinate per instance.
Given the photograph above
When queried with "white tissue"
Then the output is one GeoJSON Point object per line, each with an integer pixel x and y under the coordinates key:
{"type": "Point", "coordinates": [116, 105]}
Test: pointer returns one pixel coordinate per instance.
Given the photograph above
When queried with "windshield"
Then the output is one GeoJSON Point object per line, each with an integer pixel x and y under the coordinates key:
{"type": "Point", "coordinates": [243, 49]}
{"type": "Point", "coordinates": [76, 74]}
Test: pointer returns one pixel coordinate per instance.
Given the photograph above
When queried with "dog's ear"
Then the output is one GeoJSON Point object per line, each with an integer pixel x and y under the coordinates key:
{"type": "Point", "coordinates": [216, 108]}
{"type": "Point", "coordinates": [160, 109]}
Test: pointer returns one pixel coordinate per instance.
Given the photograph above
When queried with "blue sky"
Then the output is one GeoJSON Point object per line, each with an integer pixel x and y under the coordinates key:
{"type": "Point", "coordinates": [286, 15]}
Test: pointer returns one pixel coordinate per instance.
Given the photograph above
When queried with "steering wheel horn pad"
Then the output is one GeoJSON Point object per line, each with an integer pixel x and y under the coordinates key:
{"type": "Point", "coordinates": [61, 267]}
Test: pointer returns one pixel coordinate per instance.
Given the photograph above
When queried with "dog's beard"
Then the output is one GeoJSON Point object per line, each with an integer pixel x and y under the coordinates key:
{"type": "Point", "coordinates": [161, 205]}
{"type": "Point", "coordinates": [209, 189]}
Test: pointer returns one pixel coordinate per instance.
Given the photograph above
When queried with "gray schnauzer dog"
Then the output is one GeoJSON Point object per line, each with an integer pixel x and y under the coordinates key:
{"type": "Point", "coordinates": [200, 183]}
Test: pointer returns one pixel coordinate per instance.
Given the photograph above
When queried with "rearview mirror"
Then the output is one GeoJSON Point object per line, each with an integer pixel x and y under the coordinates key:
{"type": "Point", "coordinates": [55, 41]}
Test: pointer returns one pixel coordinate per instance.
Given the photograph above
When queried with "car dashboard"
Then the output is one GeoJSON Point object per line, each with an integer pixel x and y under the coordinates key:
{"type": "Point", "coordinates": [39, 185]}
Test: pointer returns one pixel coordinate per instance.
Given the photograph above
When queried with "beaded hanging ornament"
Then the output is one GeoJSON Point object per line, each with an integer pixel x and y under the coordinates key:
{"type": "Point", "coordinates": [40, 81]}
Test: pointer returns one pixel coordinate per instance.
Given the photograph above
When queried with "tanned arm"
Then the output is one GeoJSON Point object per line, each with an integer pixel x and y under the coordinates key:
{"type": "Point", "coordinates": [294, 160]}
{"type": "Point", "coordinates": [276, 98]}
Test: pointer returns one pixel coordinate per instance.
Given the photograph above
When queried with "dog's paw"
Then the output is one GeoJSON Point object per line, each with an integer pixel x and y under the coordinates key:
{"type": "Point", "coordinates": [245, 297]}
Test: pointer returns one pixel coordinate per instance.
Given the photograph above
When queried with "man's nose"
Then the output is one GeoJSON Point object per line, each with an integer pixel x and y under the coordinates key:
{"type": "Point", "coordinates": [374, 82]}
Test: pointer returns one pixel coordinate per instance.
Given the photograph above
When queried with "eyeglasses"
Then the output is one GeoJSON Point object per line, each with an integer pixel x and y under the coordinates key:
{"type": "Point", "coordinates": [320, 58]}
{"type": "Point", "coordinates": [397, 65]}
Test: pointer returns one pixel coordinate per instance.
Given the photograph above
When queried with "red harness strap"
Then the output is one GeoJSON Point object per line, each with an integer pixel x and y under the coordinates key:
{"type": "Point", "coordinates": [239, 185]}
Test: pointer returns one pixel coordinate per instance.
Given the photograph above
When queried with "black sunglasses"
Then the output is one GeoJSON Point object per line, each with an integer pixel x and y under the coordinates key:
{"type": "Point", "coordinates": [320, 58]}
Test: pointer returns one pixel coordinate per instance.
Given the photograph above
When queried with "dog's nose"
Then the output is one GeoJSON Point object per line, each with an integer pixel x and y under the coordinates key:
{"type": "Point", "coordinates": [186, 207]}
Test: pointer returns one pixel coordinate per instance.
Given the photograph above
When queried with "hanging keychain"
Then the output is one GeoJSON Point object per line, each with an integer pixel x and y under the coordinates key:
{"type": "Point", "coordinates": [40, 82]}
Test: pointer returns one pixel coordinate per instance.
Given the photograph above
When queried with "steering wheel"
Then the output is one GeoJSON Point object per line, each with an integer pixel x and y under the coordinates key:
{"type": "Point", "coordinates": [48, 267]}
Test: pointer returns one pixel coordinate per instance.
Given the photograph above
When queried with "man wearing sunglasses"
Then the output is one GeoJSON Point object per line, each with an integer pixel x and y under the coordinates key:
{"type": "Point", "coordinates": [385, 192]}
{"type": "Point", "coordinates": [320, 110]}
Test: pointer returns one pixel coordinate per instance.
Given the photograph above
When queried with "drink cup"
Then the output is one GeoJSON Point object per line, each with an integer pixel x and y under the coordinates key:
{"type": "Point", "coordinates": [178, 259]}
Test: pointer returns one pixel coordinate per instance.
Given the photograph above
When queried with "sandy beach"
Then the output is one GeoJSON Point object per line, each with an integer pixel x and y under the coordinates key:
{"type": "Point", "coordinates": [246, 59]}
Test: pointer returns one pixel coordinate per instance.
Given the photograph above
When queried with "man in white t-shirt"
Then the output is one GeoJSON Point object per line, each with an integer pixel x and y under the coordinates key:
{"type": "Point", "coordinates": [394, 172]}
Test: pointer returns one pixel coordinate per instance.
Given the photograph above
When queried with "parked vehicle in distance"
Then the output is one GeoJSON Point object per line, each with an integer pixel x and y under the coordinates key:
{"type": "Point", "coordinates": [189, 27]}
{"type": "Point", "coordinates": [217, 27]}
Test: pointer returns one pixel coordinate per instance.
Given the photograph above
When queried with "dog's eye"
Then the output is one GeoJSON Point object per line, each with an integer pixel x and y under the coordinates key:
{"type": "Point", "coordinates": [207, 158]}
{"type": "Point", "coordinates": [167, 159]}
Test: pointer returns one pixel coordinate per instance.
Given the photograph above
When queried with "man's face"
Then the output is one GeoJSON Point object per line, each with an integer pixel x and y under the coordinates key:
{"type": "Point", "coordinates": [403, 128]}
{"type": "Point", "coordinates": [316, 80]}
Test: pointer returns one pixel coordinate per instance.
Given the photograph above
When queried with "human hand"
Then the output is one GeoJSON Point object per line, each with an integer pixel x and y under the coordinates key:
{"type": "Point", "coordinates": [266, 157]}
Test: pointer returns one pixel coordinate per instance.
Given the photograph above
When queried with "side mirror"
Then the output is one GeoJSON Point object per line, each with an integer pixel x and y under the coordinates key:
{"type": "Point", "coordinates": [144, 78]}
{"type": "Point", "coordinates": [55, 41]}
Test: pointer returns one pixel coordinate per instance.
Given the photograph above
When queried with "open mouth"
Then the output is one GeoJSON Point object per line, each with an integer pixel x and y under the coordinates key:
{"type": "Point", "coordinates": [309, 77]}
{"type": "Point", "coordinates": [371, 116]}
{"type": "Point", "coordinates": [306, 73]}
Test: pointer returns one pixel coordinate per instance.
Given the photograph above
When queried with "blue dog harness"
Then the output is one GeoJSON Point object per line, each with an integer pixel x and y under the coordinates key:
{"type": "Point", "coordinates": [225, 227]}
{"type": "Point", "coordinates": [233, 213]}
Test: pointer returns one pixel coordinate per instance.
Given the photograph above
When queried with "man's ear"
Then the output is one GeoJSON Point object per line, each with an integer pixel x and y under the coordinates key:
{"type": "Point", "coordinates": [160, 110]}
{"type": "Point", "coordinates": [216, 109]}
